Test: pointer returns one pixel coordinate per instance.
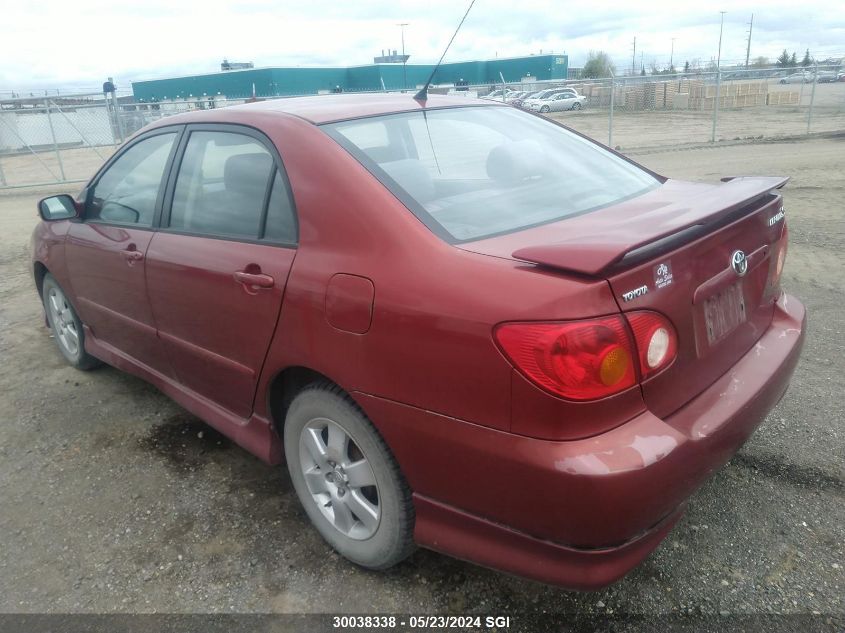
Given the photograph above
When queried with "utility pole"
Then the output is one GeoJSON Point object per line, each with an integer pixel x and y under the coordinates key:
{"type": "Point", "coordinates": [634, 58]}
{"type": "Point", "coordinates": [672, 54]}
{"type": "Point", "coordinates": [404, 61]}
{"type": "Point", "coordinates": [748, 49]}
{"type": "Point", "coordinates": [718, 79]}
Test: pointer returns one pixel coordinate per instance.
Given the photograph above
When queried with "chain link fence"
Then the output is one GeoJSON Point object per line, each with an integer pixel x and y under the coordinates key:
{"type": "Point", "coordinates": [660, 111]}
{"type": "Point", "coordinates": [56, 139]}
{"type": "Point", "coordinates": [46, 140]}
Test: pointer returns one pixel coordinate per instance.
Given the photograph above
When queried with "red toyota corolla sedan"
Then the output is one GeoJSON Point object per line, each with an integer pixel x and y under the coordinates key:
{"type": "Point", "coordinates": [461, 325]}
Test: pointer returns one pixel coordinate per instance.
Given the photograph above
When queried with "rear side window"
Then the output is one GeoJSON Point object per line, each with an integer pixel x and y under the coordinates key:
{"type": "Point", "coordinates": [474, 172]}
{"type": "Point", "coordinates": [222, 185]}
{"type": "Point", "coordinates": [127, 191]}
{"type": "Point", "coordinates": [281, 220]}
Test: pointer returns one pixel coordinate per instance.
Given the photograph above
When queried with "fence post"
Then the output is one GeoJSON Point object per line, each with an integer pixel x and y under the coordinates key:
{"type": "Point", "coordinates": [2, 175]}
{"type": "Point", "coordinates": [55, 141]}
{"type": "Point", "coordinates": [812, 98]}
{"type": "Point", "coordinates": [716, 103]}
{"type": "Point", "coordinates": [610, 119]}
{"type": "Point", "coordinates": [118, 118]}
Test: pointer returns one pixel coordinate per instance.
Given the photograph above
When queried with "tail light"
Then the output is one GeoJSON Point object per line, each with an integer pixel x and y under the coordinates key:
{"type": "Point", "coordinates": [592, 359]}
{"type": "Point", "coordinates": [657, 342]}
{"type": "Point", "coordinates": [579, 360]}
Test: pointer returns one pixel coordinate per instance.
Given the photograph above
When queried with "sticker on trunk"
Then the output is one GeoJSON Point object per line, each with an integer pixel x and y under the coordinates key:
{"type": "Point", "coordinates": [663, 275]}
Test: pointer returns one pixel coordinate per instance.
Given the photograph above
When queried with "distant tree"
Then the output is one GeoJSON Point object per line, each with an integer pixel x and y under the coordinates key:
{"type": "Point", "coordinates": [642, 72]}
{"type": "Point", "coordinates": [598, 65]}
{"type": "Point", "coordinates": [761, 62]}
{"type": "Point", "coordinates": [793, 60]}
{"type": "Point", "coordinates": [783, 60]}
{"type": "Point", "coordinates": [686, 67]}
{"type": "Point", "coordinates": [806, 61]}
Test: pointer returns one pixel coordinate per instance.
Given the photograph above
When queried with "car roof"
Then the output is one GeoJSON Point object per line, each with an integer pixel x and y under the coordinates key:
{"type": "Point", "coordinates": [338, 107]}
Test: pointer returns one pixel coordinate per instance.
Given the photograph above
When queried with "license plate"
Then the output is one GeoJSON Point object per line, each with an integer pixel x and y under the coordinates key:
{"type": "Point", "coordinates": [724, 312]}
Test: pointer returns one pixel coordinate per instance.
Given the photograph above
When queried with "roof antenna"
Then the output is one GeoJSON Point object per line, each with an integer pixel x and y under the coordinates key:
{"type": "Point", "coordinates": [422, 95]}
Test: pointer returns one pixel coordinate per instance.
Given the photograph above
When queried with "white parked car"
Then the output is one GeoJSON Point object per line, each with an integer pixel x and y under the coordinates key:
{"type": "Point", "coordinates": [568, 100]}
{"type": "Point", "coordinates": [497, 94]}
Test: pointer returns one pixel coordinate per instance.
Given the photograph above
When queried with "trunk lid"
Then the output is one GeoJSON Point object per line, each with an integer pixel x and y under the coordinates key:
{"type": "Point", "coordinates": [671, 251]}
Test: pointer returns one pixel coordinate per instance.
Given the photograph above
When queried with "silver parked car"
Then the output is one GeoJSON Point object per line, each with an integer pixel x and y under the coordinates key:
{"type": "Point", "coordinates": [568, 100]}
{"type": "Point", "coordinates": [797, 78]}
{"type": "Point", "coordinates": [825, 76]}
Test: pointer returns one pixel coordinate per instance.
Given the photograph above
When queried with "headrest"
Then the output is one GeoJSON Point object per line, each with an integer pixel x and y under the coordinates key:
{"type": "Point", "coordinates": [412, 176]}
{"type": "Point", "coordinates": [512, 163]}
{"type": "Point", "coordinates": [247, 173]}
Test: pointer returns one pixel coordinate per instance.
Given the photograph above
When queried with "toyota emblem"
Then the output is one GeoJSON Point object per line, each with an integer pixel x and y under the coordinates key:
{"type": "Point", "coordinates": [739, 262]}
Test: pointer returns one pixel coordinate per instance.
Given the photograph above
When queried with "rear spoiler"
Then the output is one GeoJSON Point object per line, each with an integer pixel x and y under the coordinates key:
{"type": "Point", "coordinates": [614, 237]}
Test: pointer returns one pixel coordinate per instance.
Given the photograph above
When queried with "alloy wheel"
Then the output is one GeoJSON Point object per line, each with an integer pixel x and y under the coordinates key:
{"type": "Point", "coordinates": [339, 478]}
{"type": "Point", "coordinates": [64, 323]}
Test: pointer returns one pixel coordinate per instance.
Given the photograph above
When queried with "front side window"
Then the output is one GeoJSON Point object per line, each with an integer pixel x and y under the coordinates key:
{"type": "Point", "coordinates": [474, 172]}
{"type": "Point", "coordinates": [222, 185]}
{"type": "Point", "coordinates": [127, 191]}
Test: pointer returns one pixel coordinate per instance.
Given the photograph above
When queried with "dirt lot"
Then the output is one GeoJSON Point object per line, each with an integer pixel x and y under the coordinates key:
{"type": "Point", "coordinates": [634, 130]}
{"type": "Point", "coordinates": [114, 499]}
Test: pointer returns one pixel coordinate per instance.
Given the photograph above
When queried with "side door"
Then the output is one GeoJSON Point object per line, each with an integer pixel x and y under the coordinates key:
{"type": "Point", "coordinates": [563, 101]}
{"type": "Point", "coordinates": [105, 250]}
{"type": "Point", "coordinates": [217, 268]}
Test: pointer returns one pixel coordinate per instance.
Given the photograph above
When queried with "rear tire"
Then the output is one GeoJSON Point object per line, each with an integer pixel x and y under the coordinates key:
{"type": "Point", "coordinates": [347, 480]}
{"type": "Point", "coordinates": [66, 325]}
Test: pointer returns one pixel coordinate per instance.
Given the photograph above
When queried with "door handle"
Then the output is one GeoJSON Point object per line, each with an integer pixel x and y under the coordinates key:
{"type": "Point", "coordinates": [254, 280]}
{"type": "Point", "coordinates": [131, 255]}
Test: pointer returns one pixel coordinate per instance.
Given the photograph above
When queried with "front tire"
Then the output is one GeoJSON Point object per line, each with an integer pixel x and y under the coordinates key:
{"type": "Point", "coordinates": [66, 325]}
{"type": "Point", "coordinates": [347, 480]}
{"type": "Point", "coordinates": [576, 106]}
{"type": "Point", "coordinates": [545, 109]}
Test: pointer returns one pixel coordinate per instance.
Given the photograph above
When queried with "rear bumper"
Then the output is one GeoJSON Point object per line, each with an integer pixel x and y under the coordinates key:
{"type": "Point", "coordinates": [610, 498]}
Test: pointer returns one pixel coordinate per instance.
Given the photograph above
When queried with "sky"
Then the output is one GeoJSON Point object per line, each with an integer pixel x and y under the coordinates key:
{"type": "Point", "coordinates": [76, 45]}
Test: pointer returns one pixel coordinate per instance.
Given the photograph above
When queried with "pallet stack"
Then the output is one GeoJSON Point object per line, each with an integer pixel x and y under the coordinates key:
{"type": "Point", "coordinates": [783, 97]}
{"type": "Point", "coordinates": [731, 95]}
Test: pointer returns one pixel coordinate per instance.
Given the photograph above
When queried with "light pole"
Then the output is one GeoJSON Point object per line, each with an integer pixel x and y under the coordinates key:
{"type": "Point", "coordinates": [404, 76]}
{"type": "Point", "coordinates": [672, 55]}
{"type": "Point", "coordinates": [718, 79]}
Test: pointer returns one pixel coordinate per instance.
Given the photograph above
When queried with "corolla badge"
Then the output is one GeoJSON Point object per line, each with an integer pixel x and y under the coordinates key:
{"type": "Point", "coordinates": [739, 262]}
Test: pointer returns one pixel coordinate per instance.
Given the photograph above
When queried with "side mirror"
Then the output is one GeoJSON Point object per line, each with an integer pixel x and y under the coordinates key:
{"type": "Point", "coordinates": [60, 207]}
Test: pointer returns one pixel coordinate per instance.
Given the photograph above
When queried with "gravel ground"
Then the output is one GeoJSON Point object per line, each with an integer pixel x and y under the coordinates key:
{"type": "Point", "coordinates": [114, 500]}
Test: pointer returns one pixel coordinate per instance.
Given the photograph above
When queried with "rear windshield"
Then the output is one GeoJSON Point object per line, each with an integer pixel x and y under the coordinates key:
{"type": "Point", "coordinates": [475, 172]}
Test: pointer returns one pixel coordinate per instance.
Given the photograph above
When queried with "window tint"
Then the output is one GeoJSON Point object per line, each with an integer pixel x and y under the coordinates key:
{"type": "Point", "coordinates": [281, 223]}
{"type": "Point", "coordinates": [221, 185]}
{"type": "Point", "coordinates": [474, 172]}
{"type": "Point", "coordinates": [126, 193]}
